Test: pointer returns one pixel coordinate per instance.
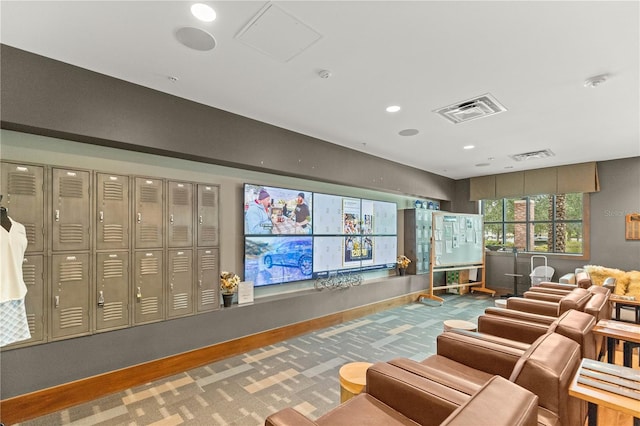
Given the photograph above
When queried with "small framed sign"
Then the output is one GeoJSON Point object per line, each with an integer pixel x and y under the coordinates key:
{"type": "Point", "coordinates": [245, 292]}
{"type": "Point", "coordinates": [632, 229]}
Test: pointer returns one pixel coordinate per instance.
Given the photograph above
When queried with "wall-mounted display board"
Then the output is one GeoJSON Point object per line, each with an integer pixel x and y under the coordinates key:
{"type": "Point", "coordinates": [457, 244]}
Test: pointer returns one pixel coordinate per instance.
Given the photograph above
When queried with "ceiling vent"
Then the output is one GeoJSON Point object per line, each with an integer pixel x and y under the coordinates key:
{"type": "Point", "coordinates": [545, 153]}
{"type": "Point", "coordinates": [471, 109]}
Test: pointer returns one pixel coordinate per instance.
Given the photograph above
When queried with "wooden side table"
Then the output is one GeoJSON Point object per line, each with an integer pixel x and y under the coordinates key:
{"type": "Point", "coordinates": [611, 386]}
{"type": "Point", "coordinates": [353, 379]}
{"type": "Point", "coordinates": [459, 325]}
{"type": "Point", "coordinates": [614, 330]}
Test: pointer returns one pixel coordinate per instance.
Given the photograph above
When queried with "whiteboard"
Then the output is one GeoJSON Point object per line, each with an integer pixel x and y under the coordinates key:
{"type": "Point", "coordinates": [457, 239]}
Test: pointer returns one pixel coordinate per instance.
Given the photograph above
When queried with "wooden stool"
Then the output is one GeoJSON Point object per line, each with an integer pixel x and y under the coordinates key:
{"type": "Point", "coordinates": [459, 324]}
{"type": "Point", "coordinates": [353, 378]}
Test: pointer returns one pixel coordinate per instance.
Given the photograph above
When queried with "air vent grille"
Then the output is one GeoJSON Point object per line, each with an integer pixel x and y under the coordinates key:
{"type": "Point", "coordinates": [545, 153]}
{"type": "Point", "coordinates": [471, 109]}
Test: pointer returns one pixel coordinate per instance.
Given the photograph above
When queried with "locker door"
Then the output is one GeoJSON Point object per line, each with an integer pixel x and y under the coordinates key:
{"type": "Point", "coordinates": [148, 287]}
{"type": "Point", "coordinates": [112, 212]}
{"type": "Point", "coordinates": [70, 293]}
{"type": "Point", "coordinates": [70, 210]}
{"type": "Point", "coordinates": [180, 300]}
{"type": "Point", "coordinates": [112, 290]}
{"type": "Point", "coordinates": [208, 280]}
{"type": "Point", "coordinates": [208, 215]}
{"type": "Point", "coordinates": [180, 214]}
{"type": "Point", "coordinates": [148, 211]}
{"type": "Point", "coordinates": [23, 196]}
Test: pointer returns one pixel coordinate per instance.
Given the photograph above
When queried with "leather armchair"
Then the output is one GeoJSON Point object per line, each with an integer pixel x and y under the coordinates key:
{"type": "Point", "coordinates": [545, 368]}
{"type": "Point", "coordinates": [395, 396]}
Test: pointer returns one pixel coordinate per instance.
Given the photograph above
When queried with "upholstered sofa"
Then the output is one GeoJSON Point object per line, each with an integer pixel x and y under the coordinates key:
{"type": "Point", "coordinates": [526, 328]}
{"type": "Point", "coordinates": [546, 368]}
{"type": "Point", "coordinates": [395, 396]}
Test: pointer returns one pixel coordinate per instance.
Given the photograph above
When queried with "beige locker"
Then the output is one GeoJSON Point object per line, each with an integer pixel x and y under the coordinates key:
{"type": "Point", "coordinates": [148, 286]}
{"type": "Point", "coordinates": [149, 196]}
{"type": "Point", "coordinates": [70, 288]}
{"type": "Point", "coordinates": [208, 270]}
{"type": "Point", "coordinates": [23, 196]}
{"type": "Point", "coordinates": [180, 280]}
{"type": "Point", "coordinates": [112, 212]}
{"type": "Point", "coordinates": [207, 220]}
{"type": "Point", "coordinates": [112, 290]}
{"type": "Point", "coordinates": [180, 230]}
{"type": "Point", "coordinates": [71, 210]}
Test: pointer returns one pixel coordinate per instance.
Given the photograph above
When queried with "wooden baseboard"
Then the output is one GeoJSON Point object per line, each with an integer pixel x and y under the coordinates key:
{"type": "Point", "coordinates": [46, 401]}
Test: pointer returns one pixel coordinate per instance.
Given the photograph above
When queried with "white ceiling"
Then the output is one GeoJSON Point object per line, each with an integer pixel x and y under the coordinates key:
{"type": "Point", "coordinates": [533, 57]}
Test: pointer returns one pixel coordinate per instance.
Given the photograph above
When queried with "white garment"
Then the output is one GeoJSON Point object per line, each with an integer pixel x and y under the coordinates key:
{"type": "Point", "coordinates": [14, 326]}
{"type": "Point", "coordinates": [13, 244]}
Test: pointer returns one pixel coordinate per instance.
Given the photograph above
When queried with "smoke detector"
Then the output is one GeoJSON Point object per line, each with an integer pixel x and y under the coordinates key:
{"type": "Point", "coordinates": [324, 74]}
{"type": "Point", "coordinates": [596, 80]}
{"type": "Point", "coordinates": [471, 109]}
{"type": "Point", "coordinates": [545, 153]}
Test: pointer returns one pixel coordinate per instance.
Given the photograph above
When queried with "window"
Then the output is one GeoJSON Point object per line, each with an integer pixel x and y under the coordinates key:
{"type": "Point", "coordinates": [542, 223]}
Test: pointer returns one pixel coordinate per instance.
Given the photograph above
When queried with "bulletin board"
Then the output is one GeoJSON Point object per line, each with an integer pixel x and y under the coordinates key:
{"type": "Point", "coordinates": [457, 243]}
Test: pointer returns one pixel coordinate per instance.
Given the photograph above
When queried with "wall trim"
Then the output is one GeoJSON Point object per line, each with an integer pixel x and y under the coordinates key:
{"type": "Point", "coordinates": [56, 398]}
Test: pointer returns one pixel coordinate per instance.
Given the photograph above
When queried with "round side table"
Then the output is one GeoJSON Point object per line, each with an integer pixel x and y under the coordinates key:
{"type": "Point", "coordinates": [459, 325]}
{"type": "Point", "coordinates": [353, 378]}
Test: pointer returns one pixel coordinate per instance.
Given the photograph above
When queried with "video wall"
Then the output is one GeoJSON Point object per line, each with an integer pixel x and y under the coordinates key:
{"type": "Point", "coordinates": [294, 235]}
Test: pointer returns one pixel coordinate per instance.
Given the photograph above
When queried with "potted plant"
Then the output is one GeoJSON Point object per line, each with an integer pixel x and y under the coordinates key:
{"type": "Point", "coordinates": [403, 262]}
{"type": "Point", "coordinates": [228, 285]}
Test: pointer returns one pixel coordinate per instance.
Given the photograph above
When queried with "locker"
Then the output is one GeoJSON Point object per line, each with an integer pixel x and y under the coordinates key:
{"type": "Point", "coordinates": [207, 268]}
{"type": "Point", "coordinates": [180, 214]}
{"type": "Point", "coordinates": [70, 290]}
{"type": "Point", "coordinates": [23, 196]}
{"type": "Point", "coordinates": [71, 214]}
{"type": "Point", "coordinates": [149, 221]}
{"type": "Point", "coordinates": [180, 279]}
{"type": "Point", "coordinates": [112, 212]}
{"type": "Point", "coordinates": [148, 286]}
{"type": "Point", "coordinates": [112, 290]}
{"type": "Point", "coordinates": [207, 220]}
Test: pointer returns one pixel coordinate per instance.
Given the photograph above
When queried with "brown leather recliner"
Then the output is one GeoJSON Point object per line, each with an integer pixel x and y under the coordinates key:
{"type": "Point", "coordinates": [576, 299]}
{"type": "Point", "coordinates": [395, 396]}
{"type": "Point", "coordinates": [578, 326]}
{"type": "Point", "coordinates": [546, 368]}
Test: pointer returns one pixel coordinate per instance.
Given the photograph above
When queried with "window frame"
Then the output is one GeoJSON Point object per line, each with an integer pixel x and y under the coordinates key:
{"type": "Point", "coordinates": [586, 245]}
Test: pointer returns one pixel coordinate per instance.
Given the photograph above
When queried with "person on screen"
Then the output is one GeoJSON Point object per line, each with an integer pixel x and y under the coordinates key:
{"type": "Point", "coordinates": [257, 218]}
{"type": "Point", "coordinates": [302, 213]}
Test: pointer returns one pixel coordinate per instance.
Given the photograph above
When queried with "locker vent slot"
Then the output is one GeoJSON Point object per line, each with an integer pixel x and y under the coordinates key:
{"type": "Point", "coordinates": [112, 233]}
{"type": "Point", "coordinates": [180, 301]}
{"type": "Point", "coordinates": [22, 184]}
{"type": "Point", "coordinates": [149, 306]}
{"type": "Point", "coordinates": [30, 229]}
{"type": "Point", "coordinates": [208, 297]}
{"type": "Point", "coordinates": [71, 233]}
{"type": "Point", "coordinates": [113, 191]}
{"type": "Point", "coordinates": [208, 199]}
{"type": "Point", "coordinates": [149, 194]}
{"type": "Point", "coordinates": [209, 232]}
{"type": "Point", "coordinates": [31, 321]}
{"type": "Point", "coordinates": [149, 233]}
{"type": "Point", "coordinates": [112, 311]}
{"type": "Point", "coordinates": [71, 271]}
{"type": "Point", "coordinates": [180, 233]}
{"type": "Point", "coordinates": [208, 261]}
{"type": "Point", "coordinates": [71, 187]}
{"type": "Point", "coordinates": [149, 266]}
{"type": "Point", "coordinates": [180, 264]}
{"type": "Point", "coordinates": [71, 317]}
{"type": "Point", "coordinates": [29, 274]}
{"type": "Point", "coordinates": [113, 268]}
{"type": "Point", "coordinates": [180, 197]}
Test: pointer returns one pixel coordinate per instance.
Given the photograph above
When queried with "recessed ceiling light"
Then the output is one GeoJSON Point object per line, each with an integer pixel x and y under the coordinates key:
{"type": "Point", "coordinates": [482, 164]}
{"type": "Point", "coordinates": [203, 12]}
{"type": "Point", "coordinates": [393, 108]}
{"type": "Point", "coordinates": [468, 146]}
{"type": "Point", "coordinates": [408, 132]}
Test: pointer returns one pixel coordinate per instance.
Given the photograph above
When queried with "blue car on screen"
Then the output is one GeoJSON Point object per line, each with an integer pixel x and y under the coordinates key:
{"type": "Point", "coordinates": [293, 253]}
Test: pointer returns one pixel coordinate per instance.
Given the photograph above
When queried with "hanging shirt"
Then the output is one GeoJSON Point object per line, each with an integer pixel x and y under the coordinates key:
{"type": "Point", "coordinates": [13, 244]}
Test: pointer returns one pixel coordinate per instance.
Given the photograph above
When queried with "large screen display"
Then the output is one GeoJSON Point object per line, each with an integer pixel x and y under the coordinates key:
{"type": "Point", "coordinates": [293, 235]}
